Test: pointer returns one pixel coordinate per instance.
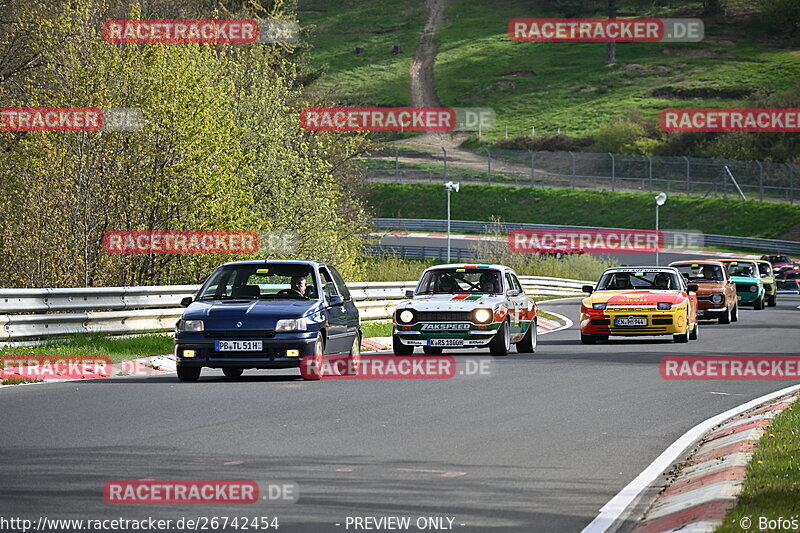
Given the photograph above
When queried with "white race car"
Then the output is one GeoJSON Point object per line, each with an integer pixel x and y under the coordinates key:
{"type": "Point", "coordinates": [466, 306]}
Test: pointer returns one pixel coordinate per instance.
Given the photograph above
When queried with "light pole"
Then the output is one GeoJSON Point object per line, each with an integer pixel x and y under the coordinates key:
{"type": "Point", "coordinates": [660, 200]}
{"type": "Point", "coordinates": [449, 186]}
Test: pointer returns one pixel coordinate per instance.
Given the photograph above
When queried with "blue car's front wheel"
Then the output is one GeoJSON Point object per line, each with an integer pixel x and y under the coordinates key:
{"type": "Point", "coordinates": [189, 373]}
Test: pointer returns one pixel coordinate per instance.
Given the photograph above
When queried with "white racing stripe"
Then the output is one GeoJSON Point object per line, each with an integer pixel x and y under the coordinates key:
{"type": "Point", "coordinates": [611, 511]}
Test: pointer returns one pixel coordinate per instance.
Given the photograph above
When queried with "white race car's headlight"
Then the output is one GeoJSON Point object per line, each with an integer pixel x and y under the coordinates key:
{"type": "Point", "coordinates": [291, 324]}
{"type": "Point", "coordinates": [753, 288]}
{"type": "Point", "coordinates": [189, 325]}
{"type": "Point", "coordinates": [406, 316]}
{"type": "Point", "coordinates": [482, 316]}
{"type": "Point", "coordinates": [717, 298]}
{"type": "Point", "coordinates": [664, 306]}
{"type": "Point", "coordinates": [600, 306]}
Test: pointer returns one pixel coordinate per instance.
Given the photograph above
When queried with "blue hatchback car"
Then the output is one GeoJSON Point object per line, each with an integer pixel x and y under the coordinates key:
{"type": "Point", "coordinates": [266, 314]}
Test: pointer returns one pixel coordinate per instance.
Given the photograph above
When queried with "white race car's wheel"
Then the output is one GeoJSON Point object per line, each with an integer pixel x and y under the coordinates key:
{"type": "Point", "coordinates": [501, 343]}
{"type": "Point", "coordinates": [399, 348]}
{"type": "Point", "coordinates": [528, 342]}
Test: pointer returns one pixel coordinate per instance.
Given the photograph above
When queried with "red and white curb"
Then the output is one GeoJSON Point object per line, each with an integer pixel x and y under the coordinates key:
{"type": "Point", "coordinates": [702, 493]}
{"type": "Point", "coordinates": [705, 487]}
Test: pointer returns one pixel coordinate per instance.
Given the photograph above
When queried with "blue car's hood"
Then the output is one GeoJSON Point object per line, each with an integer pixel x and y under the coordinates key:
{"type": "Point", "coordinates": [253, 314]}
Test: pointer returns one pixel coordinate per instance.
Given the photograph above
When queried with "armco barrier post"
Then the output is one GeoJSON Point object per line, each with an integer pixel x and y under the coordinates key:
{"type": "Point", "coordinates": [572, 173]}
{"type": "Point", "coordinates": [533, 168]}
{"type": "Point", "coordinates": [688, 175]}
{"type": "Point", "coordinates": [613, 171]}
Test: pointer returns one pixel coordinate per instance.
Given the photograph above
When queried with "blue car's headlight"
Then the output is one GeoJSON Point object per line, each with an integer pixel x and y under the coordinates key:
{"type": "Point", "coordinates": [664, 306]}
{"type": "Point", "coordinates": [599, 306]}
{"type": "Point", "coordinates": [291, 324]}
{"type": "Point", "coordinates": [189, 325]}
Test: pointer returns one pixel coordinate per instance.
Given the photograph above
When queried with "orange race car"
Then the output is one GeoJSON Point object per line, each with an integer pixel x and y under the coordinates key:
{"type": "Point", "coordinates": [716, 294]}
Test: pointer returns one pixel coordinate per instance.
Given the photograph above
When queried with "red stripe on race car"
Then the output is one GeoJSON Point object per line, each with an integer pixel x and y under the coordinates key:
{"type": "Point", "coordinates": [460, 297]}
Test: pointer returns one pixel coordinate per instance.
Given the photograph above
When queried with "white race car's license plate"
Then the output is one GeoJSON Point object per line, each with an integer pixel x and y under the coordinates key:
{"type": "Point", "coordinates": [238, 346]}
{"type": "Point", "coordinates": [630, 322]}
{"type": "Point", "coordinates": [444, 343]}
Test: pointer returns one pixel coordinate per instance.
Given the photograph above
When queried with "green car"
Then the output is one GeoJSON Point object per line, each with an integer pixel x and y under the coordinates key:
{"type": "Point", "coordinates": [768, 279]}
{"type": "Point", "coordinates": [749, 287]}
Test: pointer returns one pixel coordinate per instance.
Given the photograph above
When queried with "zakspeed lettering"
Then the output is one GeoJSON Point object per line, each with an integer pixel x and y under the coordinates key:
{"type": "Point", "coordinates": [445, 327]}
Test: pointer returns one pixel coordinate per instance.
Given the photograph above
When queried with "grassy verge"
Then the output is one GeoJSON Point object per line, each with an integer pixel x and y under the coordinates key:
{"type": "Point", "coordinates": [116, 348]}
{"type": "Point", "coordinates": [377, 328]}
{"type": "Point", "coordinates": [544, 205]}
{"type": "Point", "coordinates": [773, 477]}
{"type": "Point", "coordinates": [19, 381]}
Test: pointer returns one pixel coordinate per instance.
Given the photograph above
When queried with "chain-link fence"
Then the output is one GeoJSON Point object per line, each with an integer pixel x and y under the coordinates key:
{"type": "Point", "coordinates": [689, 175]}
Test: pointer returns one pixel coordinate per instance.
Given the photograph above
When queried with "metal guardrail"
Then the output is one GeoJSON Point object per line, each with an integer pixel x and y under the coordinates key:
{"type": "Point", "coordinates": [47, 313]}
{"type": "Point", "coordinates": [482, 227]}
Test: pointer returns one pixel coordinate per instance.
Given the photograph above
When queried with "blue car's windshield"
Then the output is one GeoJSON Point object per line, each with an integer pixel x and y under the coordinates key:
{"type": "Point", "coordinates": [253, 281]}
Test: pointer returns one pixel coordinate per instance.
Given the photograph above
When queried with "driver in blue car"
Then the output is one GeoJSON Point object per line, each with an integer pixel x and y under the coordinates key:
{"type": "Point", "coordinates": [299, 284]}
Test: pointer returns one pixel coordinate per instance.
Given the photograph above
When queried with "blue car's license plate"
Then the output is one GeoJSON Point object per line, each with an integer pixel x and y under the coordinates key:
{"type": "Point", "coordinates": [238, 346]}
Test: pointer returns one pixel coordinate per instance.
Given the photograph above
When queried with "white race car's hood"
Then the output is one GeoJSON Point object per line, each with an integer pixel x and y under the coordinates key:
{"type": "Point", "coordinates": [451, 302]}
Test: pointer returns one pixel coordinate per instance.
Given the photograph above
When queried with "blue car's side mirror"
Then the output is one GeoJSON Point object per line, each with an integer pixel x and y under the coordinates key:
{"type": "Point", "coordinates": [335, 300]}
{"type": "Point", "coordinates": [186, 302]}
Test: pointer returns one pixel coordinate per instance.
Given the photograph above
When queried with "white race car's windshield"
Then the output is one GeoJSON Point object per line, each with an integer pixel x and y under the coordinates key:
{"type": "Point", "coordinates": [699, 273]}
{"type": "Point", "coordinates": [460, 280]}
{"type": "Point", "coordinates": [632, 280]}
{"type": "Point", "coordinates": [254, 281]}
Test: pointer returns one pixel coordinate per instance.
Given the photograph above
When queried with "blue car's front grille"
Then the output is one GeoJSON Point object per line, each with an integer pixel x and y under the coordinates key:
{"type": "Point", "coordinates": [243, 334]}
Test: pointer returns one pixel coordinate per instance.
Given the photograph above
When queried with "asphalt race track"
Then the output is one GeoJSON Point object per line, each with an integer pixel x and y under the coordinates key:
{"type": "Point", "coordinates": [539, 446]}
